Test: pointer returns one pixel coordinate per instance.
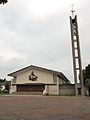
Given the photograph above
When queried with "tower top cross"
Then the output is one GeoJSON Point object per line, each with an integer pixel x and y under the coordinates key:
{"type": "Point", "coordinates": [72, 10]}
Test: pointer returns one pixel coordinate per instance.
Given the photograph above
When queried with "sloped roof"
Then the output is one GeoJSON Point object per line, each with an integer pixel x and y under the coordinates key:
{"type": "Point", "coordinates": [59, 74]}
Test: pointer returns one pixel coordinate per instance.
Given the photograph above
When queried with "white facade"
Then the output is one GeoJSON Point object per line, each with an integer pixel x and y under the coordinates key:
{"type": "Point", "coordinates": [48, 80]}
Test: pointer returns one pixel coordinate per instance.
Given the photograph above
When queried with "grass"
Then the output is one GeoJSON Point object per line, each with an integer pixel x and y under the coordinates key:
{"type": "Point", "coordinates": [3, 94]}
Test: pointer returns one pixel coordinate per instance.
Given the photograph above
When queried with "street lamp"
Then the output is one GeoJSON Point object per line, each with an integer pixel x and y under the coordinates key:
{"type": "Point", "coordinates": [3, 1]}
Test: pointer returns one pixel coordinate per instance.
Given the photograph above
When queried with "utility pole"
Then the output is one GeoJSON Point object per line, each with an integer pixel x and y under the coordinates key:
{"type": "Point", "coordinates": [76, 54]}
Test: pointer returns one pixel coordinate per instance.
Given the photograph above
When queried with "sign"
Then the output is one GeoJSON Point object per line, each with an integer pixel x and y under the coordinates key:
{"type": "Point", "coordinates": [33, 77]}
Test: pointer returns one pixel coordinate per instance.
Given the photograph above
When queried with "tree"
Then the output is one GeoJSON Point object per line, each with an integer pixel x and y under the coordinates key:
{"type": "Point", "coordinates": [86, 76]}
{"type": "Point", "coordinates": [7, 86]}
{"type": "Point", "coordinates": [88, 85]}
{"type": "Point", "coordinates": [3, 1]}
{"type": "Point", "coordinates": [87, 72]}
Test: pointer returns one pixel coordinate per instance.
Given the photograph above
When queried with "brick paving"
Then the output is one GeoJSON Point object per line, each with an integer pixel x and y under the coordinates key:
{"type": "Point", "coordinates": [44, 108]}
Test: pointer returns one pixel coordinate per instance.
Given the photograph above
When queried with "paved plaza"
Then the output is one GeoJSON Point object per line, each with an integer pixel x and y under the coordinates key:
{"type": "Point", "coordinates": [44, 108]}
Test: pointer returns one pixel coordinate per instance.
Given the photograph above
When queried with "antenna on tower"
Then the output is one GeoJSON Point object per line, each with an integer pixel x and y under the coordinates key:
{"type": "Point", "coordinates": [72, 10]}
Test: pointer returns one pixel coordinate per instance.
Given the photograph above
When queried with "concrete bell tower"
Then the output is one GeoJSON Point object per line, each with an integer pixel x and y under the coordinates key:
{"type": "Point", "coordinates": [76, 54]}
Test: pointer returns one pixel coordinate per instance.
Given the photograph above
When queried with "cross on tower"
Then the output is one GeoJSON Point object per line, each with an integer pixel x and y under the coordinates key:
{"type": "Point", "coordinates": [72, 10]}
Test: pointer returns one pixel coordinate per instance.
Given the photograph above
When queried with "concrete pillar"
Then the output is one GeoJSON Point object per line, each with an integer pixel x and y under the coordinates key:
{"type": "Point", "coordinates": [76, 90]}
{"type": "Point", "coordinates": [47, 89]}
{"type": "Point", "coordinates": [58, 91]}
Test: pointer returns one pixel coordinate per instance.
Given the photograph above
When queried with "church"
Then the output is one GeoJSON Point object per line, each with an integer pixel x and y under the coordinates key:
{"type": "Point", "coordinates": [34, 80]}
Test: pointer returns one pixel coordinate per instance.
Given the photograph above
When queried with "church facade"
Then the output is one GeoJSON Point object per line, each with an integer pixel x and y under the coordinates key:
{"type": "Point", "coordinates": [34, 80]}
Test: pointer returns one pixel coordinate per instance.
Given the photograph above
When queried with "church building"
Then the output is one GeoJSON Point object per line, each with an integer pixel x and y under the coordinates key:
{"type": "Point", "coordinates": [34, 80]}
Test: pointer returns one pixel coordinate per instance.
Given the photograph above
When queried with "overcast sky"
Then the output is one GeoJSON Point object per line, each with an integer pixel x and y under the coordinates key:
{"type": "Point", "coordinates": [37, 32]}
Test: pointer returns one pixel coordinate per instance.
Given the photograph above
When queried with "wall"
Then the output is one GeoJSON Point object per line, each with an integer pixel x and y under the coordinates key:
{"type": "Point", "coordinates": [12, 88]}
{"type": "Point", "coordinates": [63, 89]}
{"type": "Point", "coordinates": [52, 90]}
{"type": "Point", "coordinates": [67, 89]}
{"type": "Point", "coordinates": [43, 77]}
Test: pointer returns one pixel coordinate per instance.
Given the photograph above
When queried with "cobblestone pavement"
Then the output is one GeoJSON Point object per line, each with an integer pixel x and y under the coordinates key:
{"type": "Point", "coordinates": [44, 108]}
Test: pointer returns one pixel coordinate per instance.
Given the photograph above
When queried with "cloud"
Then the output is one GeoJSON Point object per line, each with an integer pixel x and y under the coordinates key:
{"type": "Point", "coordinates": [38, 32]}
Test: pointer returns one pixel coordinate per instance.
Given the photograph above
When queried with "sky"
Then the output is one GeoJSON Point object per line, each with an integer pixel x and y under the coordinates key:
{"type": "Point", "coordinates": [37, 32]}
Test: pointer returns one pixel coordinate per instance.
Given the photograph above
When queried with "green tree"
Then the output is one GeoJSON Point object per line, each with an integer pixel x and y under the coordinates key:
{"type": "Point", "coordinates": [86, 76]}
{"type": "Point", "coordinates": [3, 1]}
{"type": "Point", "coordinates": [7, 86]}
{"type": "Point", "coordinates": [87, 72]}
{"type": "Point", "coordinates": [88, 85]}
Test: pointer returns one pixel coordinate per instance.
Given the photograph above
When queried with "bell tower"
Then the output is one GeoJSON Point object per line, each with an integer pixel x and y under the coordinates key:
{"type": "Point", "coordinates": [76, 55]}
